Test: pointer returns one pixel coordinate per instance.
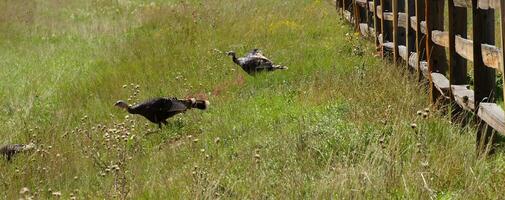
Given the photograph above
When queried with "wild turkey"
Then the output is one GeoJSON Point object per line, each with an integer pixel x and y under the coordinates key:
{"type": "Point", "coordinates": [254, 61]}
{"type": "Point", "coordinates": [158, 110]}
{"type": "Point", "coordinates": [10, 150]}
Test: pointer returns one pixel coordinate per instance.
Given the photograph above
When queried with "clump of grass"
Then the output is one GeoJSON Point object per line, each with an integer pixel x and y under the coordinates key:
{"type": "Point", "coordinates": [113, 149]}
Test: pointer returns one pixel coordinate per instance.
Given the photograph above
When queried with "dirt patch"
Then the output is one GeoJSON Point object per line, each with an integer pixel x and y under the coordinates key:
{"type": "Point", "coordinates": [223, 87]}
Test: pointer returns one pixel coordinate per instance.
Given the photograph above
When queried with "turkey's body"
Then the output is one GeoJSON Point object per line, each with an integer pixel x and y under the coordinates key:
{"type": "Point", "coordinates": [255, 62]}
{"type": "Point", "coordinates": [158, 110]}
{"type": "Point", "coordinates": [10, 150]}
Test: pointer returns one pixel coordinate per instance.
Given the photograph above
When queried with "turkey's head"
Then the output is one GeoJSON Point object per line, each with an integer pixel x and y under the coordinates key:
{"type": "Point", "coordinates": [231, 53]}
{"type": "Point", "coordinates": [29, 146]}
{"type": "Point", "coordinates": [122, 104]}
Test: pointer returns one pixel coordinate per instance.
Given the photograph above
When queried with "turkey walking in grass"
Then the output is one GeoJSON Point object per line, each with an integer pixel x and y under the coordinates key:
{"type": "Point", "coordinates": [158, 110]}
{"type": "Point", "coordinates": [254, 62]}
{"type": "Point", "coordinates": [10, 150]}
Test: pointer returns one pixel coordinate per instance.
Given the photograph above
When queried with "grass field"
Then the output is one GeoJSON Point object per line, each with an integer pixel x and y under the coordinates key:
{"type": "Point", "coordinates": [337, 124]}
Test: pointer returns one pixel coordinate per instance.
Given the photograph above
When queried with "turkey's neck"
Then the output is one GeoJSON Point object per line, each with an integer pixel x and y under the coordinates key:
{"type": "Point", "coordinates": [235, 60]}
{"type": "Point", "coordinates": [131, 110]}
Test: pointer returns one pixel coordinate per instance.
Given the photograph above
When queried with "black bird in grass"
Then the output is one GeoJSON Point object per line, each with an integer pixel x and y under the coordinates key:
{"type": "Point", "coordinates": [158, 110]}
{"type": "Point", "coordinates": [254, 61]}
{"type": "Point", "coordinates": [9, 150]}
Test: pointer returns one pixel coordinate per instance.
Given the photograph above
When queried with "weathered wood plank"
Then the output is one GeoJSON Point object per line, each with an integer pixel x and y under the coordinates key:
{"type": "Point", "coordinates": [402, 20]}
{"type": "Point", "coordinates": [489, 4]}
{"type": "Point", "coordinates": [464, 97]}
{"type": "Point", "coordinates": [371, 6]}
{"type": "Point", "coordinates": [464, 48]}
{"type": "Point", "coordinates": [402, 50]}
{"type": "Point", "coordinates": [379, 11]}
{"type": "Point", "coordinates": [413, 23]}
{"type": "Point", "coordinates": [388, 45]}
{"type": "Point", "coordinates": [423, 66]}
{"type": "Point", "coordinates": [413, 60]}
{"type": "Point", "coordinates": [423, 27]}
{"type": "Point", "coordinates": [463, 3]}
{"type": "Point", "coordinates": [348, 16]}
{"type": "Point", "coordinates": [388, 16]}
{"type": "Point", "coordinates": [363, 28]}
{"type": "Point", "coordinates": [491, 55]}
{"type": "Point", "coordinates": [440, 38]}
{"type": "Point", "coordinates": [361, 3]}
{"type": "Point", "coordinates": [441, 83]}
{"type": "Point", "coordinates": [493, 115]}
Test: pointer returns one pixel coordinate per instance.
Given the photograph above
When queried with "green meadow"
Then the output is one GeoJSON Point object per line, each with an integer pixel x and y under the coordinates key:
{"type": "Point", "coordinates": [337, 125]}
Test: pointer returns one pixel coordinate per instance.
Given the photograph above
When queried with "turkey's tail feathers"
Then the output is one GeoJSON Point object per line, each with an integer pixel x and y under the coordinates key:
{"type": "Point", "coordinates": [12, 149]}
{"type": "Point", "coordinates": [199, 104]}
{"type": "Point", "coordinates": [276, 67]}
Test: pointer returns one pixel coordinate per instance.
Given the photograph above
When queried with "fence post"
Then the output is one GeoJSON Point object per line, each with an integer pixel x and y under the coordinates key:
{"type": "Point", "coordinates": [502, 40]}
{"type": "Point", "coordinates": [383, 53]}
{"type": "Point", "coordinates": [348, 7]}
{"type": "Point", "coordinates": [337, 4]}
{"type": "Point", "coordinates": [401, 33]}
{"type": "Point", "coordinates": [377, 24]}
{"type": "Point", "coordinates": [435, 55]}
{"type": "Point", "coordinates": [484, 77]}
{"type": "Point", "coordinates": [370, 18]}
{"type": "Point", "coordinates": [342, 3]}
{"type": "Point", "coordinates": [410, 33]}
{"type": "Point", "coordinates": [457, 64]}
{"type": "Point", "coordinates": [362, 18]}
{"type": "Point", "coordinates": [420, 39]}
{"type": "Point", "coordinates": [343, 8]}
{"type": "Point", "coordinates": [502, 35]}
{"type": "Point", "coordinates": [395, 32]}
{"type": "Point", "coordinates": [357, 17]}
{"type": "Point", "coordinates": [387, 29]}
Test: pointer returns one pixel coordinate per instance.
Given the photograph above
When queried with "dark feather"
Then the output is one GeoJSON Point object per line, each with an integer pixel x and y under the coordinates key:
{"type": "Point", "coordinates": [10, 150]}
{"type": "Point", "coordinates": [158, 110]}
{"type": "Point", "coordinates": [254, 61]}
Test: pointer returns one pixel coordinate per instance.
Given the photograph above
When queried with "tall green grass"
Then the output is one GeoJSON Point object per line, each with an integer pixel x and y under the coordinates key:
{"type": "Point", "coordinates": [337, 124]}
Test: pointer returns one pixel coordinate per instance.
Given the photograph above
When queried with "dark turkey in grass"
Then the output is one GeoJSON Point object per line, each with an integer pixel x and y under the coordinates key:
{"type": "Point", "coordinates": [9, 150]}
{"type": "Point", "coordinates": [254, 62]}
{"type": "Point", "coordinates": [158, 110]}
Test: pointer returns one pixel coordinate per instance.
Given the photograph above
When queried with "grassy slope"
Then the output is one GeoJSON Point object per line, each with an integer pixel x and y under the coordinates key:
{"type": "Point", "coordinates": [336, 124]}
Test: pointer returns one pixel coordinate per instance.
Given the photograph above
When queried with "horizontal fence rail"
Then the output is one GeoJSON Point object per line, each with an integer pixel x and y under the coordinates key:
{"type": "Point", "coordinates": [413, 32]}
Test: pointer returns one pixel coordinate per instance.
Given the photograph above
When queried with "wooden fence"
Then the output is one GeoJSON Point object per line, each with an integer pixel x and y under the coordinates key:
{"type": "Point", "coordinates": [412, 31]}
